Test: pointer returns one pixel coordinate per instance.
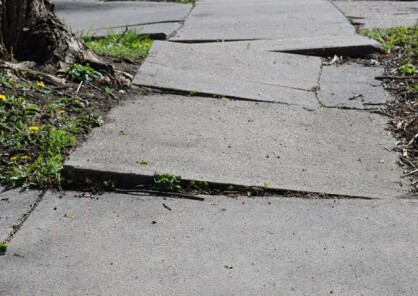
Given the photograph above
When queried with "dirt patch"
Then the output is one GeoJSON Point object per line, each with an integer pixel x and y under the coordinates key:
{"type": "Point", "coordinates": [403, 113]}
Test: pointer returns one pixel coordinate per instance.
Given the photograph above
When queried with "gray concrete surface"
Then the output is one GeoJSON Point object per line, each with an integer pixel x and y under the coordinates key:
{"type": "Point", "coordinates": [322, 46]}
{"type": "Point", "coordinates": [235, 142]}
{"type": "Point", "coordinates": [212, 20]}
{"type": "Point", "coordinates": [382, 14]}
{"type": "Point", "coordinates": [352, 85]}
{"type": "Point", "coordinates": [218, 70]}
{"type": "Point", "coordinates": [223, 246]}
{"type": "Point", "coordinates": [14, 204]}
{"type": "Point", "coordinates": [97, 18]}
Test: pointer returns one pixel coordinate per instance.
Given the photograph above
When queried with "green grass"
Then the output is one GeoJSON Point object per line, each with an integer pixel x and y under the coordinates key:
{"type": "Point", "coordinates": [184, 1]}
{"type": "Point", "coordinates": [402, 42]}
{"type": "Point", "coordinates": [39, 126]}
{"type": "Point", "coordinates": [35, 136]}
{"type": "Point", "coordinates": [128, 45]}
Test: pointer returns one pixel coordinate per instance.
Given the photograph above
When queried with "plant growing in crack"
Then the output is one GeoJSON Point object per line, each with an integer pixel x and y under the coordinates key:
{"type": "Point", "coordinates": [3, 248]}
{"type": "Point", "coordinates": [167, 182]}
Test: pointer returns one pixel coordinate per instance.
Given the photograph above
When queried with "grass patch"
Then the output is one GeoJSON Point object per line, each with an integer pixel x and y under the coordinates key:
{"type": "Point", "coordinates": [36, 131]}
{"type": "Point", "coordinates": [184, 1]}
{"type": "Point", "coordinates": [402, 44]}
{"type": "Point", "coordinates": [41, 122]}
{"type": "Point", "coordinates": [128, 45]}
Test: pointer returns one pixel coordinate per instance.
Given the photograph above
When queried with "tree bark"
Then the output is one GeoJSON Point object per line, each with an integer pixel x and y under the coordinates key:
{"type": "Point", "coordinates": [30, 31]}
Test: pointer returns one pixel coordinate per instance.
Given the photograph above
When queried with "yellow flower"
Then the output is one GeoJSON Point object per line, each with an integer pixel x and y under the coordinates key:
{"type": "Point", "coordinates": [24, 157]}
{"type": "Point", "coordinates": [40, 84]}
{"type": "Point", "coordinates": [61, 111]}
{"type": "Point", "coordinates": [2, 98]}
{"type": "Point", "coordinates": [33, 128]}
{"type": "Point", "coordinates": [13, 158]}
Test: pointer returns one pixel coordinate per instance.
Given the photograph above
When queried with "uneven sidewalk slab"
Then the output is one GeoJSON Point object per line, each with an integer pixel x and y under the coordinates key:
{"type": "Point", "coordinates": [222, 71]}
{"type": "Point", "coordinates": [382, 14]}
{"type": "Point", "coordinates": [320, 46]}
{"type": "Point", "coordinates": [14, 205]}
{"type": "Point", "coordinates": [352, 85]}
{"type": "Point", "coordinates": [212, 20]}
{"type": "Point", "coordinates": [234, 142]}
{"type": "Point", "coordinates": [132, 245]}
{"type": "Point", "coordinates": [97, 18]}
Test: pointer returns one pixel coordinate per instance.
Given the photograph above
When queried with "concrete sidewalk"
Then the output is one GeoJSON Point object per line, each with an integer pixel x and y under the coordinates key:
{"type": "Point", "coordinates": [133, 245]}
{"type": "Point", "coordinates": [262, 108]}
{"type": "Point", "coordinates": [158, 20]}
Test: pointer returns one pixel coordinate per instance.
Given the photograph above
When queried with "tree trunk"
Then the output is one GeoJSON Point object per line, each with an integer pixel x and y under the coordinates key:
{"type": "Point", "coordinates": [30, 31]}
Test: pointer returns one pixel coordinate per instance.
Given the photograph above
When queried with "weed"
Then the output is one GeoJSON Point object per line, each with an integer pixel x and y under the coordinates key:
{"type": "Point", "coordinates": [3, 248]}
{"type": "Point", "coordinates": [109, 185]}
{"type": "Point", "coordinates": [198, 185]}
{"type": "Point", "coordinates": [108, 91]}
{"type": "Point", "coordinates": [128, 45]}
{"type": "Point", "coordinates": [78, 73]}
{"type": "Point", "coordinates": [256, 190]}
{"type": "Point", "coordinates": [167, 182]}
{"type": "Point", "coordinates": [402, 41]}
{"type": "Point", "coordinates": [408, 70]}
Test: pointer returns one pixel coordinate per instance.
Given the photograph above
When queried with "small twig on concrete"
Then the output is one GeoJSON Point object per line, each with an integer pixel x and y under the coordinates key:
{"type": "Point", "coordinates": [355, 97]}
{"type": "Point", "coordinates": [167, 207]}
{"type": "Point", "coordinates": [411, 173]}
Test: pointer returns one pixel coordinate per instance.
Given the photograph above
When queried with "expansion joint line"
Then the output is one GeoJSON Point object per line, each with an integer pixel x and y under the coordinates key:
{"type": "Point", "coordinates": [16, 227]}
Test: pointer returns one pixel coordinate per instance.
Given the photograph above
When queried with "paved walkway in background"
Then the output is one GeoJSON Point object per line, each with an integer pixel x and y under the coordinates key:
{"type": "Point", "coordinates": [159, 20]}
{"type": "Point", "coordinates": [382, 14]}
{"type": "Point", "coordinates": [240, 100]}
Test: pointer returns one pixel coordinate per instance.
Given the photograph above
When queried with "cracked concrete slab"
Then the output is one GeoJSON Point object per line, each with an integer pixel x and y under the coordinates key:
{"type": "Point", "coordinates": [352, 85]}
{"type": "Point", "coordinates": [14, 204]}
{"type": "Point", "coordinates": [217, 70]}
{"type": "Point", "coordinates": [382, 14]}
{"type": "Point", "coordinates": [212, 20]}
{"type": "Point", "coordinates": [97, 18]}
{"type": "Point", "coordinates": [235, 142]}
{"type": "Point", "coordinates": [224, 246]}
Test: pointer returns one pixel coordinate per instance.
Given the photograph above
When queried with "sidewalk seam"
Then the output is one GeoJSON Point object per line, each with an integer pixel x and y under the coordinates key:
{"type": "Point", "coordinates": [16, 227]}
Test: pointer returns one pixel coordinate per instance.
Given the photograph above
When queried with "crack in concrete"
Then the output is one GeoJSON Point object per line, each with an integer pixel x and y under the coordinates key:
{"type": "Point", "coordinates": [173, 91]}
{"type": "Point", "coordinates": [16, 227]}
{"type": "Point", "coordinates": [182, 21]}
{"type": "Point", "coordinates": [132, 180]}
{"type": "Point", "coordinates": [317, 88]}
